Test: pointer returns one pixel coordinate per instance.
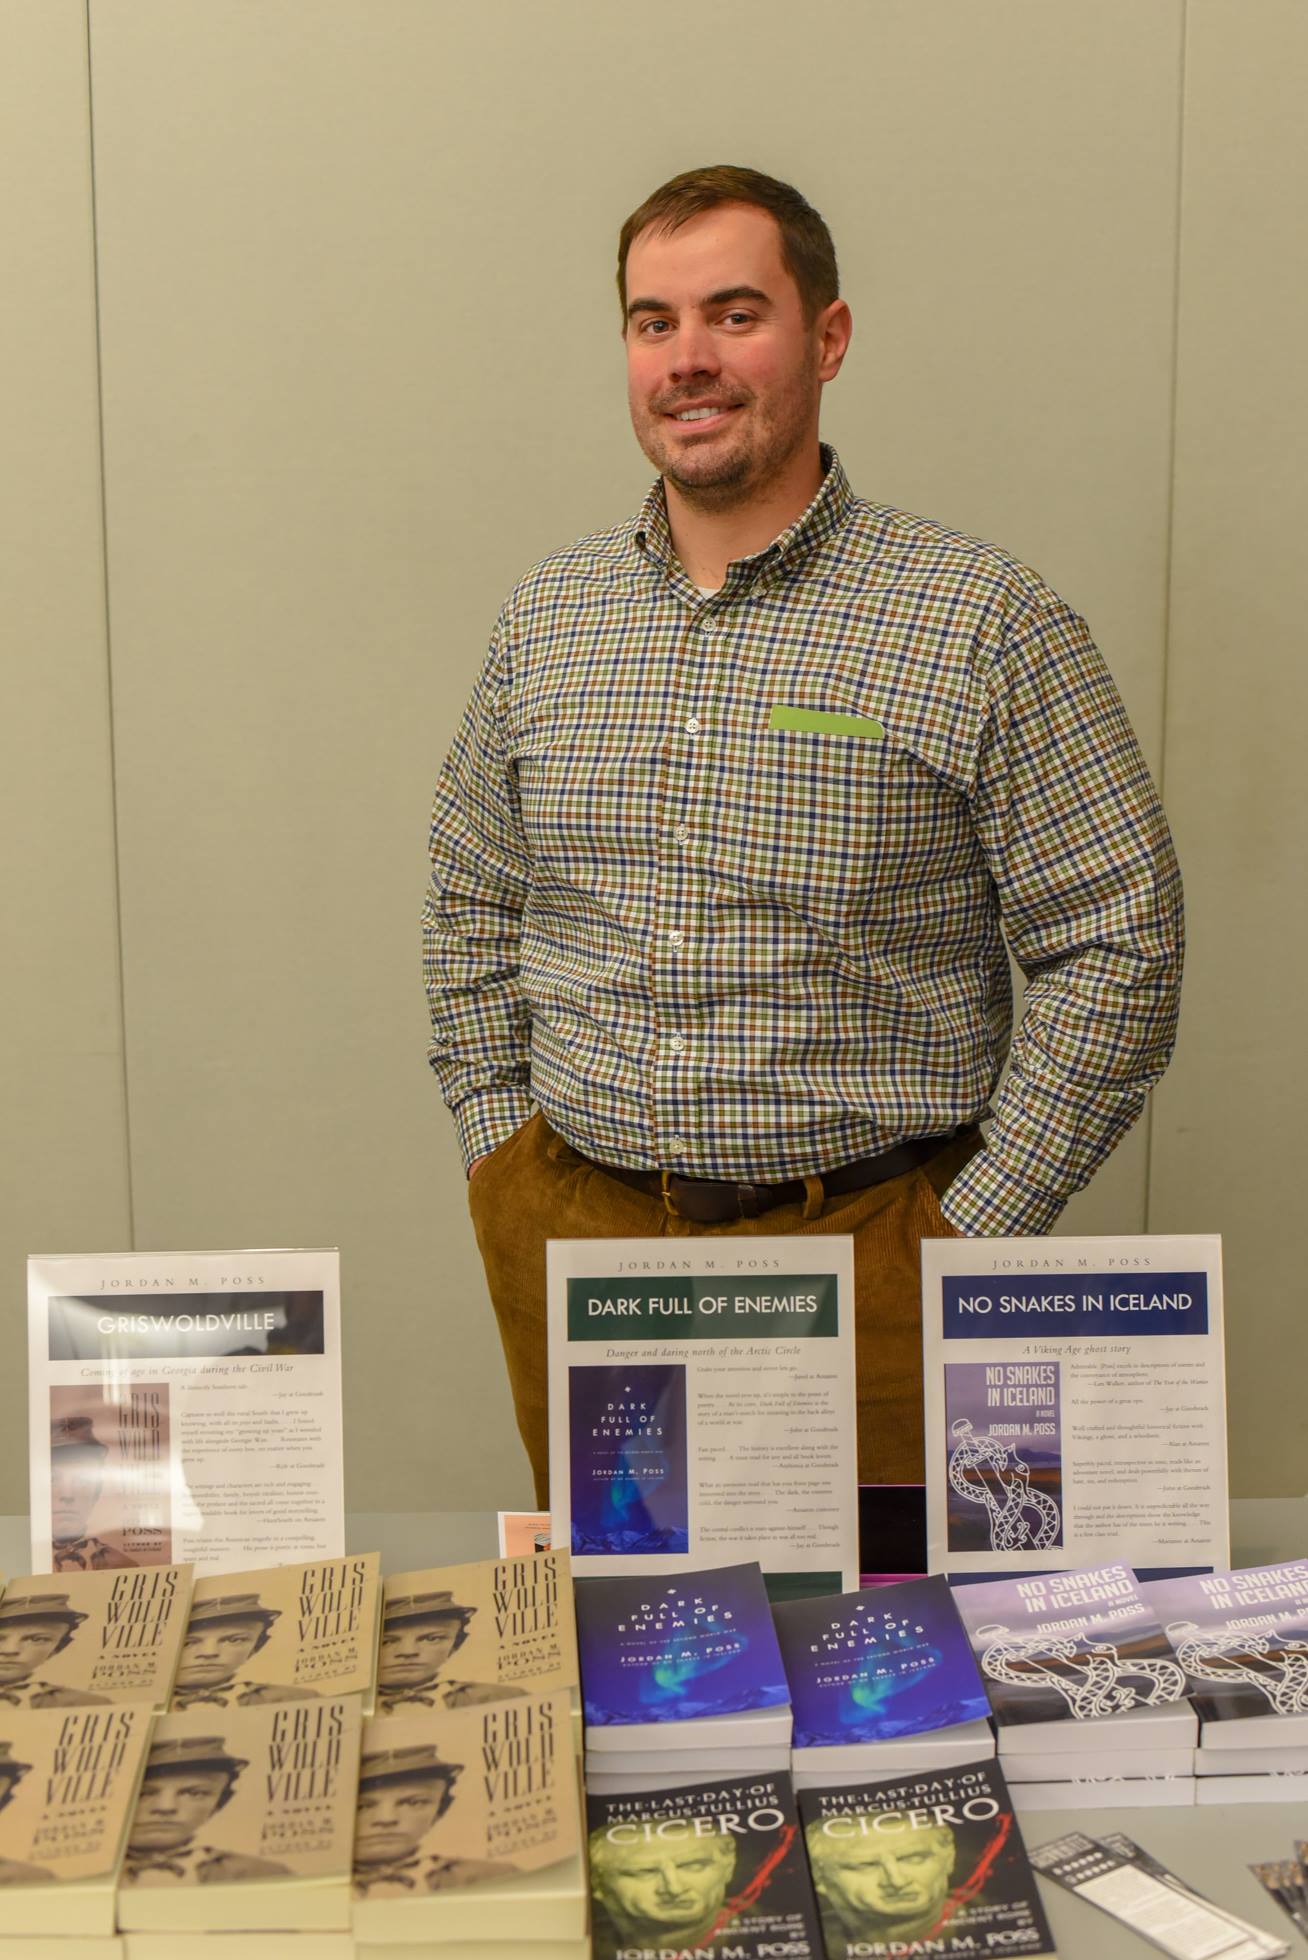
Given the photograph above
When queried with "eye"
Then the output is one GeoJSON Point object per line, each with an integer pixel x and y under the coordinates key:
{"type": "Point", "coordinates": [647, 328]}
{"type": "Point", "coordinates": [737, 318]}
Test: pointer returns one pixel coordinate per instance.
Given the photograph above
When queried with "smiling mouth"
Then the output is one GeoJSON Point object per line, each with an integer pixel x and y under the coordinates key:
{"type": "Point", "coordinates": [704, 417]}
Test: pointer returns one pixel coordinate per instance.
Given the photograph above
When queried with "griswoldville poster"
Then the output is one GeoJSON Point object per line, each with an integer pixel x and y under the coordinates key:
{"type": "Point", "coordinates": [185, 1407]}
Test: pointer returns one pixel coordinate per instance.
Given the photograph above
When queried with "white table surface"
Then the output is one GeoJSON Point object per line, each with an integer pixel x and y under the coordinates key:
{"type": "Point", "coordinates": [1211, 1848]}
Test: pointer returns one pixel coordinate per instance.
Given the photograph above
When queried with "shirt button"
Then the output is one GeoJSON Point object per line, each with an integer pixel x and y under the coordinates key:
{"type": "Point", "coordinates": [677, 1146]}
{"type": "Point", "coordinates": [692, 725]}
{"type": "Point", "coordinates": [678, 1044]}
{"type": "Point", "coordinates": [681, 833]}
{"type": "Point", "coordinates": [676, 939]}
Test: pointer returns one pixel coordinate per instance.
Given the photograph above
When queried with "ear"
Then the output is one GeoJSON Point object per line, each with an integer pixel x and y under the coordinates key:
{"type": "Point", "coordinates": [834, 328]}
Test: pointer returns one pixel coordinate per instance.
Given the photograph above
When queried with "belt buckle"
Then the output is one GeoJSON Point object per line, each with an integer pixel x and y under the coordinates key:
{"type": "Point", "coordinates": [747, 1200]}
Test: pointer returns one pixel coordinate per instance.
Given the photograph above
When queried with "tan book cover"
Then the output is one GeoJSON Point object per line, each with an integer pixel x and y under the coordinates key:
{"type": "Point", "coordinates": [244, 1819]}
{"type": "Point", "coordinates": [456, 1806]}
{"type": "Point", "coordinates": [456, 1636]}
{"type": "Point", "coordinates": [82, 1639]}
{"type": "Point", "coordinates": [286, 1633]}
{"type": "Point", "coordinates": [68, 1781]}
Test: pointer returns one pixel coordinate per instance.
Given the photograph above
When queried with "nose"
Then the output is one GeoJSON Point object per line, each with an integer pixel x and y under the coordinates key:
{"type": "Point", "coordinates": [694, 352]}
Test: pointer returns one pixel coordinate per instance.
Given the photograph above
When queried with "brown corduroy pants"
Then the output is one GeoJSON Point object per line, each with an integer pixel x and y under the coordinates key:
{"type": "Point", "coordinates": [535, 1187]}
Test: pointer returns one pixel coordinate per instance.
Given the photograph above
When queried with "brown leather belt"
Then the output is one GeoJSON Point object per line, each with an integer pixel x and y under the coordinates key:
{"type": "Point", "coordinates": [714, 1201]}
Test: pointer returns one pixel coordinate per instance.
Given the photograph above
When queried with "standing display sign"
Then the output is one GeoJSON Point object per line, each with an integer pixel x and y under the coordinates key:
{"type": "Point", "coordinates": [1075, 1405]}
{"type": "Point", "coordinates": [185, 1406]}
{"type": "Point", "coordinates": [701, 1407]}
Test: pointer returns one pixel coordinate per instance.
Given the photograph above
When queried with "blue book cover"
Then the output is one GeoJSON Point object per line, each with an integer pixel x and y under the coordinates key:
{"type": "Point", "coordinates": [1242, 1638]}
{"type": "Point", "coordinates": [1069, 1646]}
{"type": "Point", "coordinates": [627, 1450]}
{"type": "Point", "coordinates": [873, 1665]}
{"type": "Point", "coordinates": [676, 1647]}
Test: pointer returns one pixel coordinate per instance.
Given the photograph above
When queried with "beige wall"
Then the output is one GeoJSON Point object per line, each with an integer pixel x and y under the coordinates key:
{"type": "Point", "coordinates": [360, 366]}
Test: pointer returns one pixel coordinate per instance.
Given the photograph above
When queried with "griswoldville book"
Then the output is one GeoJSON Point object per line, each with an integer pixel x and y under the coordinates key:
{"type": "Point", "coordinates": [468, 1825]}
{"type": "Point", "coordinates": [285, 1633]}
{"type": "Point", "coordinates": [715, 1868]}
{"type": "Point", "coordinates": [245, 1820]}
{"type": "Point", "coordinates": [68, 1780]}
{"type": "Point", "coordinates": [455, 1636]}
{"type": "Point", "coordinates": [923, 1864]}
{"type": "Point", "coordinates": [85, 1639]}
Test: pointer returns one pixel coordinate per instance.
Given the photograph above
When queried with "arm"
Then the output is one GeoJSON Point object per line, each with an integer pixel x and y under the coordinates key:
{"type": "Point", "coordinates": [480, 876]}
{"type": "Point", "coordinates": [1090, 895]}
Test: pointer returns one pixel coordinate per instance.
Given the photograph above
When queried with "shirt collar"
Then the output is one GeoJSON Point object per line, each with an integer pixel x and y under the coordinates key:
{"type": "Point", "coordinates": [652, 535]}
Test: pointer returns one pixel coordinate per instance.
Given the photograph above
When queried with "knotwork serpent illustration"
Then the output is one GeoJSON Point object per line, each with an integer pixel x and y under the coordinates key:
{"type": "Point", "coordinates": [1273, 1662]}
{"type": "Point", "coordinates": [989, 1473]}
{"type": "Point", "coordinates": [1090, 1675]}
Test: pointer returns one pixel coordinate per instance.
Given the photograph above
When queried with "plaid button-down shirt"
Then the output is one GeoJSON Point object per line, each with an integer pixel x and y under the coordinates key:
{"type": "Point", "coordinates": [719, 882]}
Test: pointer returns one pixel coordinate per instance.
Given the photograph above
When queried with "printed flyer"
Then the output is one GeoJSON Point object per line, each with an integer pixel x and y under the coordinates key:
{"type": "Point", "coordinates": [185, 1407]}
{"type": "Point", "coordinates": [1075, 1405]}
{"type": "Point", "coordinates": [702, 1407]}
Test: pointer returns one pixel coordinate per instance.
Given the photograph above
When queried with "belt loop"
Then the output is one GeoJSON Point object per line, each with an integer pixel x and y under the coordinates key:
{"type": "Point", "coordinates": [669, 1202]}
{"type": "Point", "coordinates": [814, 1197]}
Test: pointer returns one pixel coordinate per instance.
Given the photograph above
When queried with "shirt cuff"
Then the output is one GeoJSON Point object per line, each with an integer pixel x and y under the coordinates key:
{"type": "Point", "coordinates": [489, 1118]}
{"type": "Point", "coordinates": [987, 1202]}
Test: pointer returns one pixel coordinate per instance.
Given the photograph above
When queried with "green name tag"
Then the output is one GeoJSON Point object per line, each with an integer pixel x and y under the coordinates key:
{"type": "Point", "coordinates": [817, 721]}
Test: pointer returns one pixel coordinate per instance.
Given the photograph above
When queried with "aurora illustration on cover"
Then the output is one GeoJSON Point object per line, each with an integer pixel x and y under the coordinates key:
{"type": "Point", "coordinates": [873, 1665]}
{"type": "Point", "coordinates": [669, 1648]}
{"type": "Point", "coordinates": [627, 1435]}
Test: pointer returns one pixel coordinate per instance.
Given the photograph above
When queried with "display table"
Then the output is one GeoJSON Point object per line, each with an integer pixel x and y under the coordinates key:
{"type": "Point", "coordinates": [1210, 1848]}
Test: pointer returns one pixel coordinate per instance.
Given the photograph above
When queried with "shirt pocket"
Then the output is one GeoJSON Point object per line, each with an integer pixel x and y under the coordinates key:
{"type": "Point", "coordinates": [841, 827]}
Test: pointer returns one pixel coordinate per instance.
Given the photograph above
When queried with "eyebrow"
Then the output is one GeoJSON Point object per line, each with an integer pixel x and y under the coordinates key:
{"type": "Point", "coordinates": [723, 298]}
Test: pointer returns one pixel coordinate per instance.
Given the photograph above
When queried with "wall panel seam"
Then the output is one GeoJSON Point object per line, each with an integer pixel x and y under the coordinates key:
{"type": "Point", "coordinates": [1169, 528]}
{"type": "Point", "coordinates": [115, 831]}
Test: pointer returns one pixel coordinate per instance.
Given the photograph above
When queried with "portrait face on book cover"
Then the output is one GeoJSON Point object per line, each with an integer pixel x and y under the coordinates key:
{"type": "Point", "coordinates": [221, 1636]}
{"type": "Point", "coordinates": [33, 1631]}
{"type": "Point", "coordinates": [420, 1633]}
{"type": "Point", "coordinates": [887, 1883]}
{"type": "Point", "coordinates": [665, 1890]}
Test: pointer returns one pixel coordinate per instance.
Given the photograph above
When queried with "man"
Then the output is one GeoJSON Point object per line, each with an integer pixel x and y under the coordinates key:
{"type": "Point", "coordinates": [722, 849]}
{"type": "Point", "coordinates": [403, 1794]}
{"type": "Point", "coordinates": [13, 1871]}
{"type": "Point", "coordinates": [76, 1478]}
{"type": "Point", "coordinates": [34, 1627]}
{"type": "Point", "coordinates": [667, 1892]}
{"type": "Point", "coordinates": [187, 1782]}
{"type": "Point", "coordinates": [420, 1634]}
{"type": "Point", "coordinates": [883, 1889]}
{"type": "Point", "coordinates": [221, 1636]}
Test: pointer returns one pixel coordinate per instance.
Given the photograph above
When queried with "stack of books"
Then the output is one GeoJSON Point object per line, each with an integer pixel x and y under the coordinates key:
{"type": "Point", "coordinates": [1242, 1638]}
{"type": "Point", "coordinates": [283, 1633]}
{"type": "Point", "coordinates": [68, 1781]}
{"type": "Point", "coordinates": [711, 1869]}
{"type": "Point", "coordinates": [244, 1824]}
{"type": "Point", "coordinates": [681, 1680]}
{"type": "Point", "coordinates": [882, 1683]}
{"type": "Point", "coordinates": [468, 1831]}
{"type": "Point", "coordinates": [931, 1863]}
{"type": "Point", "coordinates": [1088, 1697]}
{"type": "Point", "coordinates": [93, 1639]}
{"type": "Point", "coordinates": [460, 1636]}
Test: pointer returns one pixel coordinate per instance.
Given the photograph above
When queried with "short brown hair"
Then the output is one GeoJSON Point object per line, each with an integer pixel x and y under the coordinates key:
{"type": "Point", "coordinates": [806, 248]}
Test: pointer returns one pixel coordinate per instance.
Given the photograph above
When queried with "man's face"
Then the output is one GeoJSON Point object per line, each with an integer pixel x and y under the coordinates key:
{"type": "Point", "coordinates": [415, 1652]}
{"type": "Point", "coordinates": [714, 321]}
{"type": "Point", "coordinates": [673, 1883]}
{"type": "Point", "coordinates": [392, 1819]}
{"type": "Point", "coordinates": [24, 1646]}
{"type": "Point", "coordinates": [173, 1806]}
{"type": "Point", "coordinates": [75, 1479]}
{"type": "Point", "coordinates": [899, 1875]}
{"type": "Point", "coordinates": [212, 1655]}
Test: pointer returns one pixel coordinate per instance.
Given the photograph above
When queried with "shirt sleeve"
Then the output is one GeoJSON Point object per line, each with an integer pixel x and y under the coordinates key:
{"type": "Point", "coordinates": [471, 927]}
{"type": "Point", "coordinates": [1090, 896]}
